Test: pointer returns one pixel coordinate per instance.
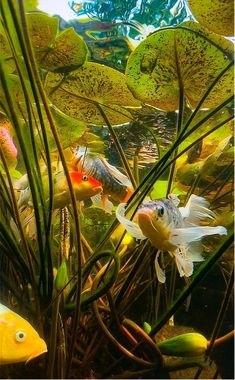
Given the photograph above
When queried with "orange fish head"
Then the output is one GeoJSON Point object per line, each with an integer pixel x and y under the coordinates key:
{"type": "Point", "coordinates": [85, 186]}
{"type": "Point", "coordinates": [19, 340]}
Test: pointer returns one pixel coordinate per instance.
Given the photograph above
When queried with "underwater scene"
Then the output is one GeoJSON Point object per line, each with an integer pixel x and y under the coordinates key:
{"type": "Point", "coordinates": [116, 189]}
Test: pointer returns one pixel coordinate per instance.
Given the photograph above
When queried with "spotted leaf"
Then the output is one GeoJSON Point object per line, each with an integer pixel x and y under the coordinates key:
{"type": "Point", "coordinates": [55, 52]}
{"type": "Point", "coordinates": [78, 94]}
{"type": "Point", "coordinates": [174, 55]}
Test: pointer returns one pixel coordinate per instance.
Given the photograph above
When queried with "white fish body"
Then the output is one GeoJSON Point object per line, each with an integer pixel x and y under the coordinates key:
{"type": "Point", "coordinates": [172, 229]}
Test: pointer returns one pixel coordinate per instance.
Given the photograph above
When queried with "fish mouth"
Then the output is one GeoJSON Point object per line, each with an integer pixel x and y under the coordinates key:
{"type": "Point", "coordinates": [41, 349]}
{"type": "Point", "coordinates": [146, 218]}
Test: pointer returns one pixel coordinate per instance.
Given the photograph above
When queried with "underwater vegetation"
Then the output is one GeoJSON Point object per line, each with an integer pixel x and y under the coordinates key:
{"type": "Point", "coordinates": [116, 193]}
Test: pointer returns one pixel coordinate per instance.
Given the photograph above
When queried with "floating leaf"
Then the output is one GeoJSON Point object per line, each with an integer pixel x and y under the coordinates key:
{"type": "Point", "coordinates": [43, 30]}
{"type": "Point", "coordinates": [216, 15]}
{"type": "Point", "coordinates": [55, 52]}
{"type": "Point", "coordinates": [157, 65]}
{"type": "Point", "coordinates": [160, 189]}
{"type": "Point", "coordinates": [76, 94]}
{"type": "Point", "coordinates": [30, 5]}
{"type": "Point", "coordinates": [69, 130]}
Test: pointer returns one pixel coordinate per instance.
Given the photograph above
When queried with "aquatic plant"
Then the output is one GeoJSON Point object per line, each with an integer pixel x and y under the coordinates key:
{"type": "Point", "coordinates": [88, 291]}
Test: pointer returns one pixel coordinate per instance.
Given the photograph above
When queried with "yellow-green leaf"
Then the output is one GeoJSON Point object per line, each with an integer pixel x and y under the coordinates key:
{"type": "Point", "coordinates": [69, 52]}
{"type": "Point", "coordinates": [69, 130]}
{"type": "Point", "coordinates": [169, 56]}
{"type": "Point", "coordinates": [77, 93]}
{"type": "Point", "coordinates": [55, 52]}
{"type": "Point", "coordinates": [216, 15]}
{"type": "Point", "coordinates": [43, 30]}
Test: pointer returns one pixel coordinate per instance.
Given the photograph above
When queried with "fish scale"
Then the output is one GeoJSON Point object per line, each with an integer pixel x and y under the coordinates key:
{"type": "Point", "coordinates": [95, 167]}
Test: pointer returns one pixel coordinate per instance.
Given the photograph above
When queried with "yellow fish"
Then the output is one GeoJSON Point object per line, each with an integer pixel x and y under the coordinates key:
{"type": "Point", "coordinates": [19, 341]}
{"type": "Point", "coordinates": [173, 229]}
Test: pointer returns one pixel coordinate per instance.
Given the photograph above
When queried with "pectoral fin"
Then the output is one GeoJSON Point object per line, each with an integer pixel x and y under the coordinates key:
{"type": "Point", "coordinates": [132, 228]}
{"type": "Point", "coordinates": [103, 203]}
{"type": "Point", "coordinates": [183, 236]}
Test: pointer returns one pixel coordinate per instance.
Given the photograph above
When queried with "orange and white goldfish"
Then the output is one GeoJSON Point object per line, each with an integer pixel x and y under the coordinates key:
{"type": "Point", "coordinates": [115, 184]}
{"type": "Point", "coordinates": [84, 186]}
{"type": "Point", "coordinates": [19, 341]}
{"type": "Point", "coordinates": [173, 229]}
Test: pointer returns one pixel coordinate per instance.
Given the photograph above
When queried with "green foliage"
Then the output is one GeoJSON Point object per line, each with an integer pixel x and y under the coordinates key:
{"type": "Point", "coordinates": [57, 52]}
{"type": "Point", "coordinates": [78, 93]}
{"type": "Point", "coordinates": [216, 15]}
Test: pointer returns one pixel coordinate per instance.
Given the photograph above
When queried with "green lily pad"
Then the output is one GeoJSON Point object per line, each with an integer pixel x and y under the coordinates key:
{"type": "Point", "coordinates": [77, 93]}
{"type": "Point", "coordinates": [55, 52]}
{"type": "Point", "coordinates": [30, 5]}
{"type": "Point", "coordinates": [69, 130]}
{"type": "Point", "coordinates": [160, 189]}
{"type": "Point", "coordinates": [169, 56]}
{"type": "Point", "coordinates": [216, 15]}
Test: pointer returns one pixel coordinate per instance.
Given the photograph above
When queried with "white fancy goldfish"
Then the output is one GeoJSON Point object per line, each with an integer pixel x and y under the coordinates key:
{"type": "Point", "coordinates": [173, 229]}
{"type": "Point", "coordinates": [19, 341]}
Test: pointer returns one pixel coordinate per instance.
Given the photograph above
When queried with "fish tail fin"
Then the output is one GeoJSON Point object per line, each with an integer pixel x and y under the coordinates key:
{"type": "Point", "coordinates": [196, 210]}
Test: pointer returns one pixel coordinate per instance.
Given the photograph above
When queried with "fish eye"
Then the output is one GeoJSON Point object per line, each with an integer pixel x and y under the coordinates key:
{"type": "Point", "coordinates": [160, 210]}
{"type": "Point", "coordinates": [85, 178]}
{"type": "Point", "coordinates": [20, 336]}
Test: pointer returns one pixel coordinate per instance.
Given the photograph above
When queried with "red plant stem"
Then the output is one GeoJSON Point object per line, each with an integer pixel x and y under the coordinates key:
{"type": "Point", "coordinates": [223, 339]}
